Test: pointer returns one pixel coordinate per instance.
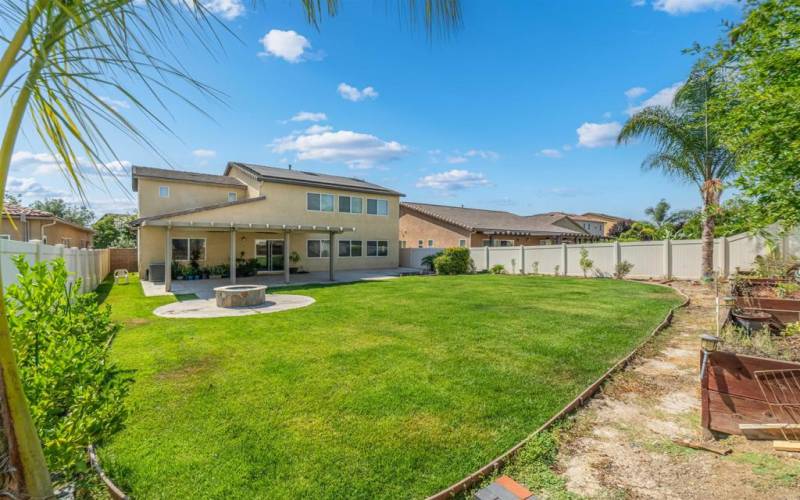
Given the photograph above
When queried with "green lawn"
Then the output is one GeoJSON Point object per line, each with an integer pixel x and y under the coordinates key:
{"type": "Point", "coordinates": [378, 390]}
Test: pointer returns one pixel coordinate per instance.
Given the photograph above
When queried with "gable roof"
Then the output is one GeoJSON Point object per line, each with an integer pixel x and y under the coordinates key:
{"type": "Point", "coordinates": [489, 221]}
{"type": "Point", "coordinates": [602, 216]}
{"type": "Point", "coordinates": [182, 176]}
{"type": "Point", "coordinates": [300, 177]}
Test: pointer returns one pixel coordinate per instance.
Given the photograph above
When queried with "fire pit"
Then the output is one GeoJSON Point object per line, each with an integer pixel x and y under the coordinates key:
{"type": "Point", "coordinates": [240, 295]}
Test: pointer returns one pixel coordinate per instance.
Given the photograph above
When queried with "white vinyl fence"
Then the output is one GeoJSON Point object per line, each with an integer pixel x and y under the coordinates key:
{"type": "Point", "coordinates": [679, 259]}
{"type": "Point", "coordinates": [92, 266]}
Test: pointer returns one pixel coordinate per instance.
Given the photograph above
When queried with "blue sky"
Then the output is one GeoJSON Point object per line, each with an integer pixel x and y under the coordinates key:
{"type": "Point", "coordinates": [516, 110]}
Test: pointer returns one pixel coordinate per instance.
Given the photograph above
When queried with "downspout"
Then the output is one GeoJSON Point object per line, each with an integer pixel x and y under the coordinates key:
{"type": "Point", "coordinates": [45, 226]}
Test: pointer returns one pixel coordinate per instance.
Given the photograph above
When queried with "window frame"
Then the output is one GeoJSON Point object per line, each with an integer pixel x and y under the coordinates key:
{"type": "Point", "coordinates": [350, 204]}
{"type": "Point", "coordinates": [378, 202]}
{"type": "Point", "coordinates": [8, 237]}
{"type": "Point", "coordinates": [377, 248]}
{"type": "Point", "coordinates": [430, 243]}
{"type": "Point", "coordinates": [321, 195]}
{"type": "Point", "coordinates": [161, 190]}
{"type": "Point", "coordinates": [350, 246]}
{"type": "Point", "coordinates": [420, 244]}
{"type": "Point", "coordinates": [188, 240]}
{"type": "Point", "coordinates": [322, 244]}
{"type": "Point", "coordinates": [462, 243]}
{"type": "Point", "coordinates": [235, 196]}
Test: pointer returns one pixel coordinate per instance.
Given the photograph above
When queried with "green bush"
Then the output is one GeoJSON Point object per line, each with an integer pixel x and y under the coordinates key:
{"type": "Point", "coordinates": [498, 269]}
{"type": "Point", "coordinates": [622, 269]}
{"type": "Point", "coordinates": [586, 263]}
{"type": "Point", "coordinates": [454, 261]}
{"type": "Point", "coordinates": [428, 260]}
{"type": "Point", "coordinates": [62, 341]}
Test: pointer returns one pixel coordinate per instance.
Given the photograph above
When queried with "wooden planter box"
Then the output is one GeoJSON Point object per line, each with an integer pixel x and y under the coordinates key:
{"type": "Point", "coordinates": [786, 310]}
{"type": "Point", "coordinates": [730, 394]}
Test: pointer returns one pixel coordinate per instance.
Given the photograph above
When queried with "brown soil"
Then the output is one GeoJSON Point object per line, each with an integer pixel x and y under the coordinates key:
{"type": "Point", "coordinates": [621, 444]}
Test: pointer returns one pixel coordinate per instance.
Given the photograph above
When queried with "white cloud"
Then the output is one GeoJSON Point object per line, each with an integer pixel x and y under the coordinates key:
{"type": "Point", "coordinates": [116, 104]}
{"type": "Point", "coordinates": [318, 129]}
{"type": "Point", "coordinates": [597, 135]}
{"type": "Point", "coordinates": [29, 187]}
{"type": "Point", "coordinates": [634, 92]}
{"type": "Point", "coordinates": [457, 159]}
{"type": "Point", "coordinates": [550, 153]}
{"type": "Point", "coordinates": [308, 116]}
{"type": "Point", "coordinates": [288, 45]}
{"type": "Point", "coordinates": [44, 164]}
{"type": "Point", "coordinates": [353, 94]}
{"type": "Point", "coordinates": [639, 3]}
{"type": "Point", "coordinates": [204, 153]}
{"type": "Point", "coordinates": [663, 97]}
{"type": "Point", "coordinates": [226, 9]}
{"type": "Point", "coordinates": [483, 154]}
{"type": "Point", "coordinates": [453, 180]}
{"type": "Point", "coordinates": [355, 149]}
{"type": "Point", "coordinates": [675, 7]}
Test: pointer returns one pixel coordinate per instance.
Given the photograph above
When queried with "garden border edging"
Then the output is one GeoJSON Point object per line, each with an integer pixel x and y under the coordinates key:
{"type": "Point", "coordinates": [586, 395]}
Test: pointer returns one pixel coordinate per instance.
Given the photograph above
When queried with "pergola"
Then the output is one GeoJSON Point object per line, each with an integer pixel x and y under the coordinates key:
{"type": "Point", "coordinates": [233, 228]}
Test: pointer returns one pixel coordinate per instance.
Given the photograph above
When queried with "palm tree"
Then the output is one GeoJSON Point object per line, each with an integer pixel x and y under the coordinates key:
{"type": "Point", "coordinates": [659, 213]}
{"type": "Point", "coordinates": [687, 148]}
{"type": "Point", "coordinates": [60, 57]}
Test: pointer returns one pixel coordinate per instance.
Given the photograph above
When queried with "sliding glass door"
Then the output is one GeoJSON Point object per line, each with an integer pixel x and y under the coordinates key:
{"type": "Point", "coordinates": [269, 254]}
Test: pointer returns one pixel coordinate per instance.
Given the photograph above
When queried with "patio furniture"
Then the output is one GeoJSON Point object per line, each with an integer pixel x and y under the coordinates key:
{"type": "Point", "coordinates": [121, 276]}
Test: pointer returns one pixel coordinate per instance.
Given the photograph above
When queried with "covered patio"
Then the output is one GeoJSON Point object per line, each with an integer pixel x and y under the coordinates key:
{"type": "Point", "coordinates": [204, 289]}
{"type": "Point", "coordinates": [246, 231]}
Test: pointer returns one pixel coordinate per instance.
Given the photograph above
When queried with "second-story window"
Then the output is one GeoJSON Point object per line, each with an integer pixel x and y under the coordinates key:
{"type": "Point", "coordinates": [163, 191]}
{"type": "Point", "coordinates": [350, 204]}
{"type": "Point", "coordinates": [377, 207]}
{"type": "Point", "coordinates": [319, 202]}
{"type": "Point", "coordinates": [232, 196]}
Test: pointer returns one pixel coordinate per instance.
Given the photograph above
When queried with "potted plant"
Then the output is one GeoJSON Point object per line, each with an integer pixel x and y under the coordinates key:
{"type": "Point", "coordinates": [215, 272]}
{"type": "Point", "coordinates": [752, 320]}
{"type": "Point", "coordinates": [294, 258]}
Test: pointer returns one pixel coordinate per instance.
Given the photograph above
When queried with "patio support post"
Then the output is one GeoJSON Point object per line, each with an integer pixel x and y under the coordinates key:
{"type": "Point", "coordinates": [233, 256]}
{"type": "Point", "coordinates": [331, 256]}
{"type": "Point", "coordinates": [286, 257]}
{"type": "Point", "coordinates": [167, 259]}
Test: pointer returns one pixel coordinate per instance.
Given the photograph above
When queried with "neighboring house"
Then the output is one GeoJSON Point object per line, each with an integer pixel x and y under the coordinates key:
{"type": "Point", "coordinates": [264, 213]}
{"type": "Point", "coordinates": [25, 224]}
{"type": "Point", "coordinates": [608, 221]}
{"type": "Point", "coordinates": [424, 225]}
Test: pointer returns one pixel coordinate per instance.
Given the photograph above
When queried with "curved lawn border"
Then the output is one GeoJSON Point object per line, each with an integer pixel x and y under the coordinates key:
{"type": "Point", "coordinates": [113, 490]}
{"type": "Point", "coordinates": [576, 403]}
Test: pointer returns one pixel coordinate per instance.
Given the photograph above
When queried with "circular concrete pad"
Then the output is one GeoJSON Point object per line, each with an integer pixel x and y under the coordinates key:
{"type": "Point", "coordinates": [207, 308]}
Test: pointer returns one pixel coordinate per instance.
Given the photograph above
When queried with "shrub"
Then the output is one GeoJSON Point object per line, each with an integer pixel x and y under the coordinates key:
{"type": "Point", "coordinates": [62, 340]}
{"type": "Point", "coordinates": [622, 269]}
{"type": "Point", "coordinates": [454, 261]}
{"type": "Point", "coordinates": [428, 260]}
{"type": "Point", "coordinates": [498, 269]}
{"type": "Point", "coordinates": [586, 263]}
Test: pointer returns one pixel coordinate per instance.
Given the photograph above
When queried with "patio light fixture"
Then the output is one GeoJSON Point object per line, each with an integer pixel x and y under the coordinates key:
{"type": "Point", "coordinates": [708, 343]}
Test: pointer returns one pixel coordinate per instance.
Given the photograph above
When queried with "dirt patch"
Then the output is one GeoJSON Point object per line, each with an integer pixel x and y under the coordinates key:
{"type": "Point", "coordinates": [188, 370]}
{"type": "Point", "coordinates": [620, 445]}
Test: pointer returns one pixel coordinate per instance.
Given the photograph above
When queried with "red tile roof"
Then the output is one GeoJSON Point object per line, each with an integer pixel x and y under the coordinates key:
{"type": "Point", "coordinates": [18, 210]}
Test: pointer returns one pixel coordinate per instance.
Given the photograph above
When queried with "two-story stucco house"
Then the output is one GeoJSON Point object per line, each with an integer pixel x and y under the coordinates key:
{"type": "Point", "coordinates": [265, 213]}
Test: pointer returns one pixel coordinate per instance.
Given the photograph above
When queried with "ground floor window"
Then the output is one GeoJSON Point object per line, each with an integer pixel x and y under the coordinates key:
{"type": "Point", "coordinates": [462, 243]}
{"type": "Point", "coordinates": [349, 248]}
{"type": "Point", "coordinates": [377, 248]}
{"type": "Point", "coordinates": [506, 243]}
{"type": "Point", "coordinates": [430, 243]}
{"type": "Point", "coordinates": [188, 249]}
{"type": "Point", "coordinates": [318, 248]}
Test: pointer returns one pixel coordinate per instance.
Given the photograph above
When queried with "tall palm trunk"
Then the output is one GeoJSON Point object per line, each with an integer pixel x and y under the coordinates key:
{"type": "Point", "coordinates": [711, 191]}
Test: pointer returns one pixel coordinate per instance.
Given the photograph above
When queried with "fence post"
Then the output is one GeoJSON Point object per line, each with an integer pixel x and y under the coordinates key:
{"type": "Point", "coordinates": [667, 256]}
{"type": "Point", "coordinates": [564, 258]}
{"type": "Point", "coordinates": [724, 263]}
{"type": "Point", "coordinates": [617, 256]}
{"type": "Point", "coordinates": [487, 258]}
{"type": "Point", "coordinates": [78, 266]}
{"type": "Point", "coordinates": [522, 259]}
{"type": "Point", "coordinates": [37, 252]}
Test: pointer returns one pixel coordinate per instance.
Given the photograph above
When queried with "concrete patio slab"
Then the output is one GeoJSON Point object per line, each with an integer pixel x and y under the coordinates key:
{"type": "Point", "coordinates": [204, 289]}
{"type": "Point", "coordinates": [207, 308]}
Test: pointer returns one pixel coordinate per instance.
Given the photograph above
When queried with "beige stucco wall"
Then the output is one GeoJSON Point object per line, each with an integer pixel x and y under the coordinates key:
{"type": "Point", "coordinates": [182, 195]}
{"type": "Point", "coordinates": [284, 204]}
{"type": "Point", "coordinates": [32, 230]}
{"type": "Point", "coordinates": [415, 226]}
